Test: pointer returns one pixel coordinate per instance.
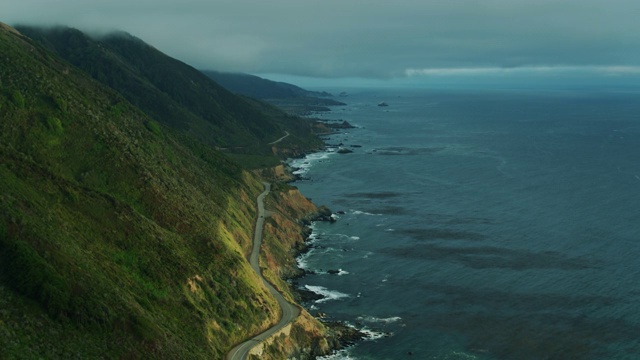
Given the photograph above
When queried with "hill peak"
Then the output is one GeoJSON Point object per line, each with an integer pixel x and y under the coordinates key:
{"type": "Point", "coordinates": [7, 28]}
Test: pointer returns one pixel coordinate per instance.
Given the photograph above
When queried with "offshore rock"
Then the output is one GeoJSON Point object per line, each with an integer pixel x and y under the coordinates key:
{"type": "Point", "coordinates": [323, 214]}
{"type": "Point", "coordinates": [343, 150]}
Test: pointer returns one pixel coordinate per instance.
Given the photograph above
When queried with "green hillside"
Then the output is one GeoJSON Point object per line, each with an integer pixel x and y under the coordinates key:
{"type": "Point", "coordinates": [174, 93]}
{"type": "Point", "coordinates": [120, 237]}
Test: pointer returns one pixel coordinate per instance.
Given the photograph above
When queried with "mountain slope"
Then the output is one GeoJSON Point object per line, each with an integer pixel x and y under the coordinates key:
{"type": "Point", "coordinates": [286, 96]}
{"type": "Point", "coordinates": [259, 88]}
{"type": "Point", "coordinates": [118, 238]}
{"type": "Point", "coordinates": [174, 93]}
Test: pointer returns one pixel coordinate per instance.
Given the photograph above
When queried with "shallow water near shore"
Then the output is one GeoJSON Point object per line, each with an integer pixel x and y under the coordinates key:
{"type": "Point", "coordinates": [481, 225]}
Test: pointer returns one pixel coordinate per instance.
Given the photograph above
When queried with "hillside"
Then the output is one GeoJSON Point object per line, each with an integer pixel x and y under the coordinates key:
{"type": "Point", "coordinates": [287, 96]}
{"type": "Point", "coordinates": [260, 88]}
{"type": "Point", "coordinates": [175, 94]}
{"type": "Point", "coordinates": [119, 236]}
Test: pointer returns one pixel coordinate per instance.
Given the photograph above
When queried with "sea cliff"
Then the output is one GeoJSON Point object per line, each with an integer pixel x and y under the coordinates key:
{"type": "Point", "coordinates": [285, 233]}
{"type": "Point", "coordinates": [286, 229]}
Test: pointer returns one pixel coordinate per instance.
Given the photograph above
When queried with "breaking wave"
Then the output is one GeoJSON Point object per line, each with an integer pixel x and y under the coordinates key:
{"type": "Point", "coordinates": [326, 293]}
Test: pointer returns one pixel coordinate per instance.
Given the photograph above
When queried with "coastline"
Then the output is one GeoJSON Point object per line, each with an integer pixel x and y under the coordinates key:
{"type": "Point", "coordinates": [345, 335]}
{"type": "Point", "coordinates": [348, 334]}
{"type": "Point", "coordinates": [418, 259]}
{"type": "Point", "coordinates": [289, 229]}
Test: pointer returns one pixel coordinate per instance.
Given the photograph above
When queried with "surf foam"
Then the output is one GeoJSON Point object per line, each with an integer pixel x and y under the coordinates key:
{"type": "Point", "coordinates": [303, 165]}
{"type": "Point", "coordinates": [373, 319]}
{"type": "Point", "coordinates": [326, 293]}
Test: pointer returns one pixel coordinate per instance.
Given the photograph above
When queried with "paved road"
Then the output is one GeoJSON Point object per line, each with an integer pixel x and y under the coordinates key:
{"type": "Point", "coordinates": [289, 312]}
{"type": "Point", "coordinates": [282, 138]}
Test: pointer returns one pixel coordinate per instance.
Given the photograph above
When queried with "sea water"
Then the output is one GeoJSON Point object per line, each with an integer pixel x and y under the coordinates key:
{"type": "Point", "coordinates": [480, 225]}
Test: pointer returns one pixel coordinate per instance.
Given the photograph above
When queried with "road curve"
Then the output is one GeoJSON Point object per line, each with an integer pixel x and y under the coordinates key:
{"type": "Point", "coordinates": [289, 311]}
{"type": "Point", "coordinates": [286, 133]}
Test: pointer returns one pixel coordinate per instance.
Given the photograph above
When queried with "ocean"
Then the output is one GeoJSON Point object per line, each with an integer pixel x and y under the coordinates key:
{"type": "Point", "coordinates": [480, 224]}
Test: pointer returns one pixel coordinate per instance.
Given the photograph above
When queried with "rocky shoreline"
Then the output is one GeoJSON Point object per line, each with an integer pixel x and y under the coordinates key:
{"type": "Point", "coordinates": [289, 226]}
{"type": "Point", "coordinates": [342, 335]}
{"type": "Point", "coordinates": [287, 231]}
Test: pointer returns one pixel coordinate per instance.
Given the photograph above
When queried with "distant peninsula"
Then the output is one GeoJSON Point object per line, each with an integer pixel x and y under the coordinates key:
{"type": "Point", "coordinates": [290, 98]}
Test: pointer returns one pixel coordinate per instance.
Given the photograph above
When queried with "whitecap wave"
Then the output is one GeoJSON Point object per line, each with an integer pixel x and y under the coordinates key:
{"type": "Point", "coordinates": [462, 355]}
{"type": "Point", "coordinates": [359, 212]}
{"type": "Point", "coordinates": [344, 236]}
{"type": "Point", "coordinates": [342, 272]}
{"type": "Point", "coordinates": [302, 260]}
{"type": "Point", "coordinates": [338, 355]}
{"type": "Point", "coordinates": [372, 334]}
{"type": "Point", "coordinates": [303, 165]}
{"type": "Point", "coordinates": [326, 293]}
{"type": "Point", "coordinates": [314, 235]}
{"type": "Point", "coordinates": [373, 319]}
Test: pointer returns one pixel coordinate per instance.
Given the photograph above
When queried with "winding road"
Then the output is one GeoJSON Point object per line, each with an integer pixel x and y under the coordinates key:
{"type": "Point", "coordinates": [289, 311]}
{"type": "Point", "coordinates": [282, 138]}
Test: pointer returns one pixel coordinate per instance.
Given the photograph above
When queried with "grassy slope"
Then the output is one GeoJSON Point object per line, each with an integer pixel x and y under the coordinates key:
{"type": "Point", "coordinates": [175, 93]}
{"type": "Point", "coordinates": [116, 238]}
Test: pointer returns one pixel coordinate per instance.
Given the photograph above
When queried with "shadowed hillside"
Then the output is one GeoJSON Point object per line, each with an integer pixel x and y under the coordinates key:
{"type": "Point", "coordinates": [176, 94]}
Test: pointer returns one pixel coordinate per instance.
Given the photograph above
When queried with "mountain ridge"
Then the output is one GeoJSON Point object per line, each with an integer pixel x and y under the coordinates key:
{"type": "Point", "coordinates": [173, 92]}
{"type": "Point", "coordinates": [289, 97]}
{"type": "Point", "coordinates": [258, 87]}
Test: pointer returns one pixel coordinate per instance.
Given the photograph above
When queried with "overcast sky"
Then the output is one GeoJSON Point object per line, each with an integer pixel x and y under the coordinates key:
{"type": "Point", "coordinates": [367, 38]}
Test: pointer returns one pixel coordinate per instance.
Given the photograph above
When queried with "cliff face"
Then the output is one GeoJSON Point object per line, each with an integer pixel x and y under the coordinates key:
{"type": "Point", "coordinates": [285, 230]}
{"type": "Point", "coordinates": [275, 174]}
{"type": "Point", "coordinates": [305, 338]}
{"type": "Point", "coordinates": [284, 236]}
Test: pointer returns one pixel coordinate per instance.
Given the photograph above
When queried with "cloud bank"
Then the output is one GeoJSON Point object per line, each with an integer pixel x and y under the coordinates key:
{"type": "Point", "coordinates": [367, 39]}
